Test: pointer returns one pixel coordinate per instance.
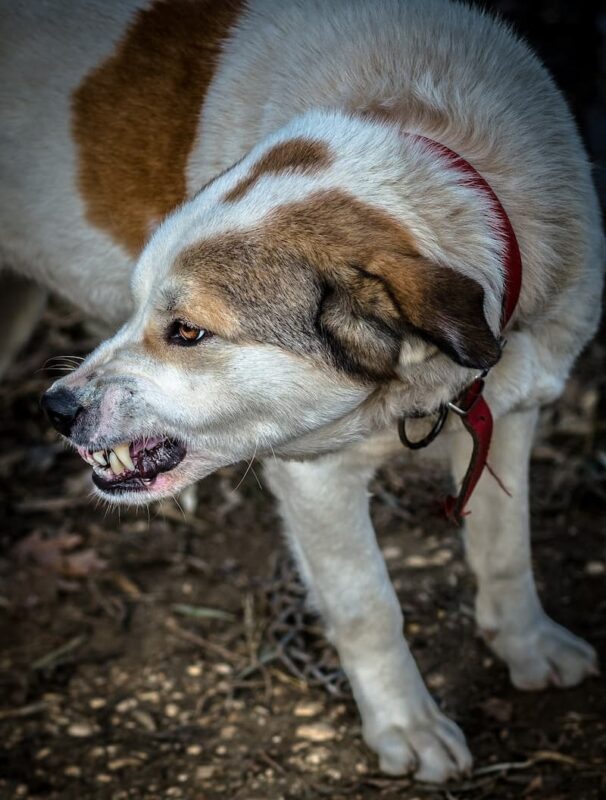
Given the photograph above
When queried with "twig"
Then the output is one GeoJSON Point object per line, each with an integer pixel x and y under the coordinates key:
{"type": "Point", "coordinates": [193, 638]}
{"type": "Point", "coordinates": [538, 757]}
{"type": "Point", "coordinates": [24, 711]}
{"type": "Point", "coordinates": [202, 612]}
{"type": "Point", "coordinates": [55, 656]}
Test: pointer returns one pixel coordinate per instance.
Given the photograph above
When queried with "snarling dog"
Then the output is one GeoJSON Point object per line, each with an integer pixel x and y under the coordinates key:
{"type": "Point", "coordinates": [310, 202]}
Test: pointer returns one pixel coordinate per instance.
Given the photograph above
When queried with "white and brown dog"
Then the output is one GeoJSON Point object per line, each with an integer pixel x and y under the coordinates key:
{"type": "Point", "coordinates": [308, 265]}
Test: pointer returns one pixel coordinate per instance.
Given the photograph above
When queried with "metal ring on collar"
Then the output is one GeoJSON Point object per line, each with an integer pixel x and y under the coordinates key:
{"type": "Point", "coordinates": [439, 424]}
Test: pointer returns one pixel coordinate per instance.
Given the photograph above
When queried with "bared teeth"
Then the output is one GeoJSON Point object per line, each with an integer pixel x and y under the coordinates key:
{"type": "Point", "coordinates": [99, 458]}
{"type": "Point", "coordinates": [122, 451]}
{"type": "Point", "coordinates": [115, 463]}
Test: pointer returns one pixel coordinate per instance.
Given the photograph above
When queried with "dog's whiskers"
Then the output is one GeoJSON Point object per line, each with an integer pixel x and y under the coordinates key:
{"type": "Point", "coordinates": [248, 468]}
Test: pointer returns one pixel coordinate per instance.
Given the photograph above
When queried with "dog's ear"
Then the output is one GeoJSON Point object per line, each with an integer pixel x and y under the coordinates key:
{"type": "Point", "coordinates": [442, 305]}
{"type": "Point", "coordinates": [368, 314]}
{"type": "Point", "coordinates": [359, 322]}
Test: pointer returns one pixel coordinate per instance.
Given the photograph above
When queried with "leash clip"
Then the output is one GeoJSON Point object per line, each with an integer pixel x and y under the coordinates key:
{"type": "Point", "coordinates": [474, 392]}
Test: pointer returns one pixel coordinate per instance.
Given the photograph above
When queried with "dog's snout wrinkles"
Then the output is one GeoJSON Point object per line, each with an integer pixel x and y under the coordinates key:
{"type": "Point", "coordinates": [61, 407]}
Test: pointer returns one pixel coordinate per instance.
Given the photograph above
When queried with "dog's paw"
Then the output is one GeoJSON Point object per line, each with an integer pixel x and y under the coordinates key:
{"type": "Point", "coordinates": [547, 655]}
{"type": "Point", "coordinates": [433, 749]}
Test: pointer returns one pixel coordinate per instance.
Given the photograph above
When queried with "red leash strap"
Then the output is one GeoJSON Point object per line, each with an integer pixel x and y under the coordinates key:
{"type": "Point", "coordinates": [472, 407]}
{"type": "Point", "coordinates": [477, 418]}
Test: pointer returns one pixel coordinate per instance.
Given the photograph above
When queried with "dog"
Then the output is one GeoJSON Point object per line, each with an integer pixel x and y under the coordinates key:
{"type": "Point", "coordinates": [300, 217]}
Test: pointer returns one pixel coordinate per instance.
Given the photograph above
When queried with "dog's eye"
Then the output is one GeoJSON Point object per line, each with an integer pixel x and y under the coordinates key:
{"type": "Point", "coordinates": [182, 333]}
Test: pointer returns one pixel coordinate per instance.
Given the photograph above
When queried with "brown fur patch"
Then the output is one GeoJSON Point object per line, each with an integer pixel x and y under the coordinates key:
{"type": "Point", "coordinates": [135, 116]}
{"type": "Point", "coordinates": [333, 274]}
{"type": "Point", "coordinates": [305, 156]}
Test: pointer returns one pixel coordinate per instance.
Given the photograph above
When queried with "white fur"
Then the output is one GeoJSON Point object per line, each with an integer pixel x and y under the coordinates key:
{"type": "Point", "coordinates": [47, 49]}
{"type": "Point", "coordinates": [306, 68]}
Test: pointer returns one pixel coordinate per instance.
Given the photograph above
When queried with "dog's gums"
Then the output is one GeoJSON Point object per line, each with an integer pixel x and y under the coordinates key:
{"type": "Point", "coordinates": [133, 466]}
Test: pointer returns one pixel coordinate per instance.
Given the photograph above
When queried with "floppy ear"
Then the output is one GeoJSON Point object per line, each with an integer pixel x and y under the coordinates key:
{"type": "Point", "coordinates": [360, 324]}
{"type": "Point", "coordinates": [441, 306]}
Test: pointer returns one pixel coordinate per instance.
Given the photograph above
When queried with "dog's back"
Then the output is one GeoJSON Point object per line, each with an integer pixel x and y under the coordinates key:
{"type": "Point", "coordinates": [84, 126]}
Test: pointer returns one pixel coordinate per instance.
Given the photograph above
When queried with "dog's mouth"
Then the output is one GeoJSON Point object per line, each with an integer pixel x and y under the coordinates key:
{"type": "Point", "coordinates": [133, 466]}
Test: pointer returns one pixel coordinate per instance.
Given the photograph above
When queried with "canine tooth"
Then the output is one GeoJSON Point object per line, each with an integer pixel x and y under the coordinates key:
{"type": "Point", "coordinates": [115, 463]}
{"type": "Point", "coordinates": [99, 457]}
{"type": "Point", "coordinates": [123, 453]}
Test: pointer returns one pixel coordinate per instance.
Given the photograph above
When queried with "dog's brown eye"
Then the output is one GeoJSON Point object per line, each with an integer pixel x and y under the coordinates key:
{"type": "Point", "coordinates": [184, 334]}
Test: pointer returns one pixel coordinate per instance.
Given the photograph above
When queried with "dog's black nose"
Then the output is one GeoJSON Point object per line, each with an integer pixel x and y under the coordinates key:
{"type": "Point", "coordinates": [62, 408]}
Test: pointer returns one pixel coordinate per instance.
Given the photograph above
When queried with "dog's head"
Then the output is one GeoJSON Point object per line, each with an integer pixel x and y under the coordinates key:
{"type": "Point", "coordinates": [273, 310]}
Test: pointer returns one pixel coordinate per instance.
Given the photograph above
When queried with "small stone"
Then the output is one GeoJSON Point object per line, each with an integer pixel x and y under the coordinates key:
{"type": "Point", "coordinates": [205, 772]}
{"type": "Point", "coordinates": [391, 552]}
{"type": "Point", "coordinates": [223, 669]}
{"type": "Point", "coordinates": [52, 698]}
{"type": "Point", "coordinates": [307, 708]}
{"type": "Point", "coordinates": [594, 568]}
{"type": "Point", "coordinates": [97, 702]}
{"type": "Point", "coordinates": [221, 750]}
{"type": "Point", "coordinates": [318, 756]}
{"type": "Point", "coordinates": [436, 681]}
{"type": "Point", "coordinates": [42, 754]}
{"type": "Point", "coordinates": [194, 750]}
{"type": "Point", "coordinates": [194, 670]}
{"type": "Point", "coordinates": [228, 732]}
{"type": "Point", "coordinates": [417, 561]}
{"type": "Point", "coordinates": [437, 559]}
{"type": "Point", "coordinates": [73, 771]}
{"type": "Point", "coordinates": [145, 719]}
{"type": "Point", "coordinates": [150, 697]}
{"type": "Point", "coordinates": [174, 791]}
{"type": "Point", "coordinates": [172, 710]}
{"type": "Point", "coordinates": [182, 777]}
{"type": "Point", "coordinates": [80, 730]}
{"type": "Point", "coordinates": [316, 732]}
{"type": "Point", "coordinates": [122, 763]}
{"type": "Point", "coordinates": [442, 557]}
{"type": "Point", "coordinates": [126, 705]}
{"type": "Point", "coordinates": [102, 777]}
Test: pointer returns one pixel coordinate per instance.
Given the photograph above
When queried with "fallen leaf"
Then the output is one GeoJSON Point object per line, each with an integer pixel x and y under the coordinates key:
{"type": "Point", "coordinates": [54, 554]}
{"type": "Point", "coordinates": [82, 563]}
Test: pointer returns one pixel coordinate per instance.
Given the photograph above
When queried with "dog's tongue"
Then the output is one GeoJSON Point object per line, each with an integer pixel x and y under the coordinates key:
{"type": "Point", "coordinates": [145, 444]}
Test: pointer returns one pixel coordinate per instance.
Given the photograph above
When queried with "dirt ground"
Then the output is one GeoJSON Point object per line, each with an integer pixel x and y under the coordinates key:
{"type": "Point", "coordinates": [164, 654]}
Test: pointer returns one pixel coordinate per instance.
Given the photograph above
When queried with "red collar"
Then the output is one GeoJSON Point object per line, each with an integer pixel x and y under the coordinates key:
{"type": "Point", "coordinates": [471, 405]}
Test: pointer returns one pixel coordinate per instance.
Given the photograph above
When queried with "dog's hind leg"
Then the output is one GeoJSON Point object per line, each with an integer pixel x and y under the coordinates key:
{"type": "Point", "coordinates": [21, 304]}
{"type": "Point", "coordinates": [325, 506]}
{"type": "Point", "coordinates": [538, 652]}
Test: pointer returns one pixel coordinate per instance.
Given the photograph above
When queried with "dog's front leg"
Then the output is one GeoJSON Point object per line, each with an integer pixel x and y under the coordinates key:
{"type": "Point", "coordinates": [538, 652]}
{"type": "Point", "coordinates": [325, 507]}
